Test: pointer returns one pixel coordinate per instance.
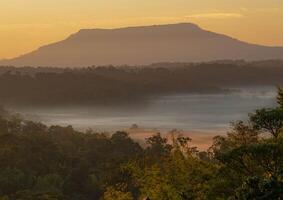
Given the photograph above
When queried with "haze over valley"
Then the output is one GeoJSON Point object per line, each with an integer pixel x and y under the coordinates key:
{"type": "Point", "coordinates": [158, 77]}
{"type": "Point", "coordinates": [141, 100]}
{"type": "Point", "coordinates": [157, 97]}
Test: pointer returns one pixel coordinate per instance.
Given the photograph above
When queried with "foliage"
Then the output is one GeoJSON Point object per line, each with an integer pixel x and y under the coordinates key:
{"type": "Point", "coordinates": [117, 193]}
{"type": "Point", "coordinates": [53, 162]}
{"type": "Point", "coordinates": [280, 97]}
{"type": "Point", "coordinates": [123, 85]}
{"type": "Point", "coordinates": [270, 120]}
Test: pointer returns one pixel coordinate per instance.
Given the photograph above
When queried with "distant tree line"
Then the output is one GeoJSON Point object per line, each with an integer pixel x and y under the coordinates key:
{"type": "Point", "coordinates": [108, 85]}
{"type": "Point", "coordinates": [53, 162]}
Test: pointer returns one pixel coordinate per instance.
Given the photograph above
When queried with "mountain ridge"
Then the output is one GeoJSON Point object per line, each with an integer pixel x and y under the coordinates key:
{"type": "Point", "coordinates": [141, 45]}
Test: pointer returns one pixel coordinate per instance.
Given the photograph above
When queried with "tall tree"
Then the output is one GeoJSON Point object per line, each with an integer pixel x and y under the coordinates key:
{"type": "Point", "coordinates": [280, 97]}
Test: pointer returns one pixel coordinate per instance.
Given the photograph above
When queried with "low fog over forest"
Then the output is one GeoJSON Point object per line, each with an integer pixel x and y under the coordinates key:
{"type": "Point", "coordinates": [126, 84]}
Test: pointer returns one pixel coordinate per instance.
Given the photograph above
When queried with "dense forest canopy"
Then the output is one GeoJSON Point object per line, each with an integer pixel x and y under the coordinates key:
{"type": "Point", "coordinates": [125, 84]}
{"type": "Point", "coordinates": [54, 162]}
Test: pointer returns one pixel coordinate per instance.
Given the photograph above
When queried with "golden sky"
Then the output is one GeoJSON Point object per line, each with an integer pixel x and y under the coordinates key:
{"type": "Point", "coordinates": [27, 24]}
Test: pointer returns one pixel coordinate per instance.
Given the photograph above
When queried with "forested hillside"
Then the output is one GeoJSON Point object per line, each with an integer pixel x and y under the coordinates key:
{"type": "Point", "coordinates": [53, 162]}
{"type": "Point", "coordinates": [110, 85]}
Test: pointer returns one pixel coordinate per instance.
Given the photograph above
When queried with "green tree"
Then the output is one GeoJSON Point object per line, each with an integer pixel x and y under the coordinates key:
{"type": "Point", "coordinates": [280, 97]}
{"type": "Point", "coordinates": [259, 167]}
{"type": "Point", "coordinates": [270, 120]}
{"type": "Point", "coordinates": [117, 193]}
{"type": "Point", "coordinates": [179, 175]}
{"type": "Point", "coordinates": [158, 148]}
{"type": "Point", "coordinates": [241, 134]}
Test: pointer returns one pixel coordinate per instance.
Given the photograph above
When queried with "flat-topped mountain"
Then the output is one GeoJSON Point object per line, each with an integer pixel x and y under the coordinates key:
{"type": "Point", "coordinates": [184, 42]}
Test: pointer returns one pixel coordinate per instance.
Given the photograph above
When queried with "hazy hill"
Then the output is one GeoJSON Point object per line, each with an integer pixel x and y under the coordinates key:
{"type": "Point", "coordinates": [144, 45]}
{"type": "Point", "coordinates": [127, 85]}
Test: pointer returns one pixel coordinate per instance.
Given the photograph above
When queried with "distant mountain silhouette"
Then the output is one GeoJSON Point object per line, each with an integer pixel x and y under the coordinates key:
{"type": "Point", "coordinates": [183, 42]}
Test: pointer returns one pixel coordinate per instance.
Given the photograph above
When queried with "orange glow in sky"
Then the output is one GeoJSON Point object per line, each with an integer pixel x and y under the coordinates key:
{"type": "Point", "coordinates": [27, 24]}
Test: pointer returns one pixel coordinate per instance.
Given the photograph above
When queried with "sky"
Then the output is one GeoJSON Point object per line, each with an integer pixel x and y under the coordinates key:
{"type": "Point", "coordinates": [26, 25]}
